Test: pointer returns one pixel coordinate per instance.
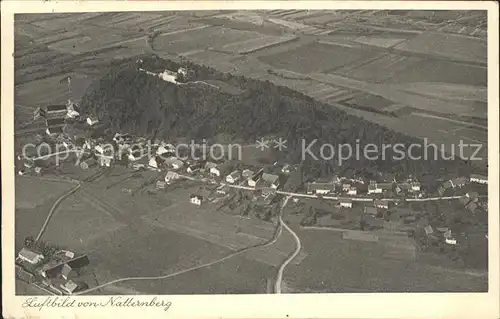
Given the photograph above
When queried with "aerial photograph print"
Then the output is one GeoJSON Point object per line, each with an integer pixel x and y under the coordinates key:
{"type": "Point", "coordinates": [250, 152]}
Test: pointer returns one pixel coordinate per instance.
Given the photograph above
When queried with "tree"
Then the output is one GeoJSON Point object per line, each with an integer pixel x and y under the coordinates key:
{"type": "Point", "coordinates": [29, 242]}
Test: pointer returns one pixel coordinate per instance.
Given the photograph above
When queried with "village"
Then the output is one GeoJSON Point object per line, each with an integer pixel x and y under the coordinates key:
{"type": "Point", "coordinates": [364, 209]}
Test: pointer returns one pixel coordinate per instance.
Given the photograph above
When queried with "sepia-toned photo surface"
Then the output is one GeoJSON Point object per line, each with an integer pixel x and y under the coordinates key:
{"type": "Point", "coordinates": [254, 160]}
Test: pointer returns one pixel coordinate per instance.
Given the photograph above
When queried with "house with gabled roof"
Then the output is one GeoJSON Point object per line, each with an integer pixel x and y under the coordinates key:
{"type": "Point", "coordinates": [270, 180]}
{"type": "Point", "coordinates": [481, 179]}
{"type": "Point", "coordinates": [320, 188]}
{"type": "Point", "coordinates": [379, 203]}
{"type": "Point", "coordinates": [233, 177]}
{"type": "Point", "coordinates": [196, 199]}
{"type": "Point", "coordinates": [345, 203]}
{"type": "Point", "coordinates": [27, 255]}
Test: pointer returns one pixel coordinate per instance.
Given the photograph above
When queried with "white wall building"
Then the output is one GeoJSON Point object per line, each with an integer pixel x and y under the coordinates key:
{"type": "Point", "coordinates": [30, 256]}
{"type": "Point", "coordinates": [345, 203]}
{"type": "Point", "coordinates": [481, 179]}
{"type": "Point", "coordinates": [196, 199]}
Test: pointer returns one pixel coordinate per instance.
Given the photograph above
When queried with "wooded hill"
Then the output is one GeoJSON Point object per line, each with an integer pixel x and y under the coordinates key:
{"type": "Point", "coordinates": [132, 101]}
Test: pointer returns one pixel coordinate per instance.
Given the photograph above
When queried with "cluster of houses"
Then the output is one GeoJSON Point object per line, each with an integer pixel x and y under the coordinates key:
{"type": "Point", "coordinates": [55, 117]}
{"type": "Point", "coordinates": [462, 181]}
{"type": "Point", "coordinates": [353, 187]}
{"type": "Point", "coordinates": [59, 273]}
{"type": "Point", "coordinates": [267, 182]}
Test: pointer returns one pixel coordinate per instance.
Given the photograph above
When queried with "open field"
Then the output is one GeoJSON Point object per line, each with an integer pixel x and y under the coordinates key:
{"type": "Point", "coordinates": [50, 90]}
{"type": "Point", "coordinates": [144, 250]}
{"type": "Point", "coordinates": [93, 222]}
{"type": "Point", "coordinates": [379, 69]}
{"type": "Point", "coordinates": [237, 275]}
{"type": "Point", "coordinates": [433, 70]}
{"type": "Point", "coordinates": [196, 40]}
{"type": "Point", "coordinates": [447, 45]}
{"type": "Point", "coordinates": [358, 267]}
{"type": "Point", "coordinates": [400, 96]}
{"type": "Point", "coordinates": [32, 192]}
{"type": "Point", "coordinates": [446, 91]}
{"type": "Point", "coordinates": [326, 57]}
{"type": "Point", "coordinates": [248, 46]}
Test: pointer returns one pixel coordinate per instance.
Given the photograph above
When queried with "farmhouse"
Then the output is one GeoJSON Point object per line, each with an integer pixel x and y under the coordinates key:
{"type": "Point", "coordinates": [174, 162]}
{"type": "Point", "coordinates": [374, 189]}
{"type": "Point", "coordinates": [56, 111]}
{"type": "Point", "coordinates": [252, 182]}
{"type": "Point", "coordinates": [71, 287]}
{"type": "Point", "coordinates": [450, 240]}
{"type": "Point", "coordinates": [270, 180]}
{"type": "Point", "coordinates": [212, 168]}
{"type": "Point", "coordinates": [481, 179]}
{"type": "Point", "coordinates": [222, 190]}
{"type": "Point", "coordinates": [170, 176]}
{"type": "Point", "coordinates": [29, 256]}
{"type": "Point", "coordinates": [54, 130]}
{"type": "Point", "coordinates": [233, 177]}
{"type": "Point", "coordinates": [196, 199]}
{"type": "Point", "coordinates": [347, 203]}
{"type": "Point", "coordinates": [352, 191]}
{"type": "Point", "coordinates": [105, 160]}
{"type": "Point", "coordinates": [320, 188]}
{"type": "Point", "coordinates": [381, 204]}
